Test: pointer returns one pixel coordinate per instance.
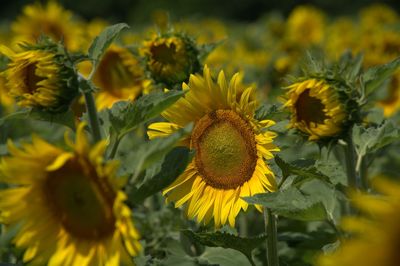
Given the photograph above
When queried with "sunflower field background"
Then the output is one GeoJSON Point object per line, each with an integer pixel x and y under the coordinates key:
{"type": "Point", "coordinates": [200, 133]}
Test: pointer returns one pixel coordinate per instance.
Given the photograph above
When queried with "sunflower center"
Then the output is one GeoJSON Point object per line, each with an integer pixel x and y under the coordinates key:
{"type": "Point", "coordinates": [310, 109]}
{"type": "Point", "coordinates": [226, 152]}
{"type": "Point", "coordinates": [163, 53]}
{"type": "Point", "coordinates": [113, 74]}
{"type": "Point", "coordinates": [81, 201]}
{"type": "Point", "coordinates": [31, 80]}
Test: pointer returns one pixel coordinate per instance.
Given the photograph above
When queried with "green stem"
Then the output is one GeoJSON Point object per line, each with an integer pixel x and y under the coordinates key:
{"type": "Point", "coordinates": [364, 173]}
{"type": "Point", "coordinates": [243, 228]}
{"type": "Point", "coordinates": [114, 148]}
{"type": "Point", "coordinates": [272, 237]}
{"type": "Point", "coordinates": [93, 117]}
{"type": "Point", "coordinates": [350, 160]}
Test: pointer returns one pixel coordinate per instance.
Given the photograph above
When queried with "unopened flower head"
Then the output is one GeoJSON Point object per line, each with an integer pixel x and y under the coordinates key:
{"type": "Point", "coordinates": [38, 77]}
{"type": "Point", "coordinates": [170, 59]}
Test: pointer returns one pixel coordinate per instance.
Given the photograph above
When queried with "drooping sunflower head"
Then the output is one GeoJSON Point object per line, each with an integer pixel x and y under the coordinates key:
{"type": "Point", "coordinates": [170, 59]}
{"type": "Point", "coordinates": [375, 234]}
{"type": "Point", "coordinates": [305, 25]}
{"type": "Point", "coordinates": [316, 109]}
{"type": "Point", "coordinates": [119, 76]}
{"type": "Point", "coordinates": [38, 77]}
{"type": "Point", "coordinates": [50, 20]}
{"type": "Point", "coordinates": [231, 148]}
{"type": "Point", "coordinates": [68, 205]}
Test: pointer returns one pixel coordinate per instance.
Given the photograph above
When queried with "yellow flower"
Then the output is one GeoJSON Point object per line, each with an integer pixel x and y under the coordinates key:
{"type": "Point", "coordinates": [230, 144]}
{"type": "Point", "coordinates": [5, 99]}
{"type": "Point", "coordinates": [306, 25]}
{"type": "Point", "coordinates": [119, 76]}
{"type": "Point", "coordinates": [67, 205]}
{"type": "Point", "coordinates": [315, 109]}
{"type": "Point", "coordinates": [391, 104]}
{"type": "Point", "coordinates": [376, 234]}
{"type": "Point", "coordinates": [380, 46]}
{"type": "Point", "coordinates": [377, 15]}
{"type": "Point", "coordinates": [170, 59]}
{"type": "Point", "coordinates": [36, 78]}
{"type": "Point", "coordinates": [341, 35]}
{"type": "Point", "coordinates": [51, 20]}
{"type": "Point", "coordinates": [206, 30]}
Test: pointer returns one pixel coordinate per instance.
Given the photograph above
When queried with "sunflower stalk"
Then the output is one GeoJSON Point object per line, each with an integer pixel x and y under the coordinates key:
{"type": "Point", "coordinates": [93, 117]}
{"type": "Point", "coordinates": [272, 237]}
{"type": "Point", "coordinates": [350, 161]}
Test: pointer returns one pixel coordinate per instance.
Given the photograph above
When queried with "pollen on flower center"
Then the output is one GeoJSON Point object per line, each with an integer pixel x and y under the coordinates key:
{"type": "Point", "coordinates": [82, 202]}
{"type": "Point", "coordinates": [163, 53]}
{"type": "Point", "coordinates": [226, 152]}
{"type": "Point", "coordinates": [310, 109]}
{"type": "Point", "coordinates": [31, 80]}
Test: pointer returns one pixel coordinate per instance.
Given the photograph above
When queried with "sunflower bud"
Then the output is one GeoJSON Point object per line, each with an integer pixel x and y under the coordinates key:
{"type": "Point", "coordinates": [170, 59]}
{"type": "Point", "coordinates": [318, 108]}
{"type": "Point", "coordinates": [37, 76]}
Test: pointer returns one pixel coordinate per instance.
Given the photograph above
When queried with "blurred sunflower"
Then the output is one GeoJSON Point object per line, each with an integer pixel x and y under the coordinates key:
{"type": "Point", "coordinates": [305, 26]}
{"type": "Point", "coordinates": [119, 76]}
{"type": "Point", "coordinates": [170, 59]}
{"type": "Point", "coordinates": [315, 108]}
{"type": "Point", "coordinates": [377, 15]}
{"type": "Point", "coordinates": [231, 146]}
{"type": "Point", "coordinates": [340, 36]}
{"type": "Point", "coordinates": [68, 206]}
{"type": "Point", "coordinates": [36, 78]}
{"type": "Point", "coordinates": [376, 235]}
{"type": "Point", "coordinates": [380, 46]}
{"type": "Point", "coordinates": [51, 20]}
{"type": "Point", "coordinates": [391, 103]}
{"type": "Point", "coordinates": [5, 99]}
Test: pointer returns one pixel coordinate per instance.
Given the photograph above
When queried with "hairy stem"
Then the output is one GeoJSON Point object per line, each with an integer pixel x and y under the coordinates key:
{"type": "Point", "coordinates": [350, 160]}
{"type": "Point", "coordinates": [272, 237]}
{"type": "Point", "coordinates": [93, 117]}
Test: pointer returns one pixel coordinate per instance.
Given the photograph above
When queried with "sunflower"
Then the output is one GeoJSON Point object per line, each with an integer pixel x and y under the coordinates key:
{"type": "Point", "coordinates": [231, 146]}
{"type": "Point", "coordinates": [316, 108]}
{"type": "Point", "coordinates": [341, 35]}
{"type": "Point", "coordinates": [376, 234]}
{"type": "Point", "coordinates": [377, 15]}
{"type": "Point", "coordinates": [5, 99]}
{"type": "Point", "coordinates": [170, 59]}
{"type": "Point", "coordinates": [51, 20]}
{"type": "Point", "coordinates": [305, 25]}
{"type": "Point", "coordinates": [391, 104]}
{"type": "Point", "coordinates": [38, 78]}
{"type": "Point", "coordinates": [119, 76]}
{"type": "Point", "coordinates": [68, 206]}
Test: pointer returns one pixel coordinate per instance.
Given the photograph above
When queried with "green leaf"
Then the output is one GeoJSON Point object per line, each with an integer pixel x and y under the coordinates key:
{"type": "Point", "coordinates": [268, 111]}
{"type": "Point", "coordinates": [291, 203]}
{"type": "Point", "coordinates": [374, 77]}
{"type": "Point", "coordinates": [150, 152]}
{"type": "Point", "coordinates": [173, 165]}
{"type": "Point", "coordinates": [368, 140]}
{"type": "Point", "coordinates": [304, 173]}
{"type": "Point", "coordinates": [103, 41]}
{"type": "Point", "coordinates": [223, 257]}
{"type": "Point", "coordinates": [224, 240]}
{"type": "Point", "coordinates": [126, 116]}
{"type": "Point", "coordinates": [206, 49]}
{"type": "Point", "coordinates": [66, 118]}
